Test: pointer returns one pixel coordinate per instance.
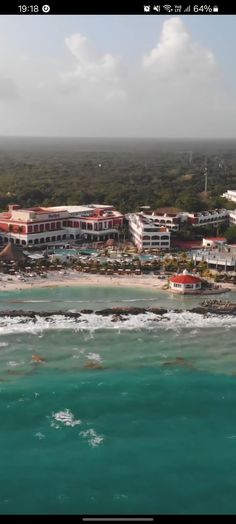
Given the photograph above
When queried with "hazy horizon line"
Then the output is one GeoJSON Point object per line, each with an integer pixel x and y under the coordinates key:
{"type": "Point", "coordinates": [117, 138]}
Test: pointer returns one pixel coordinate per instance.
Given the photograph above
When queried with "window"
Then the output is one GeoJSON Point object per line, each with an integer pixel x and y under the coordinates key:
{"type": "Point", "coordinates": [155, 237]}
{"type": "Point", "coordinates": [41, 240]}
{"type": "Point", "coordinates": [89, 226]}
{"type": "Point", "coordinates": [30, 241]}
{"type": "Point", "coordinates": [47, 227]}
{"type": "Point", "coordinates": [41, 228]}
{"type": "Point", "coordinates": [146, 237]}
{"type": "Point", "coordinates": [36, 229]}
{"type": "Point", "coordinates": [110, 224]}
{"type": "Point", "coordinates": [164, 243]}
{"type": "Point", "coordinates": [48, 239]}
{"type": "Point", "coordinates": [58, 225]}
{"type": "Point", "coordinates": [189, 286]}
{"type": "Point", "coordinates": [155, 243]}
{"type": "Point", "coordinates": [165, 237]}
{"type": "Point", "coordinates": [30, 229]}
{"type": "Point", "coordinates": [53, 225]}
{"type": "Point", "coordinates": [23, 242]}
{"type": "Point", "coordinates": [177, 285]}
{"type": "Point", "coordinates": [83, 225]}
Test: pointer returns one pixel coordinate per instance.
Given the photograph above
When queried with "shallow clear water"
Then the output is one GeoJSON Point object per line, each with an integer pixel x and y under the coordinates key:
{"type": "Point", "coordinates": [96, 298]}
{"type": "Point", "coordinates": [151, 429]}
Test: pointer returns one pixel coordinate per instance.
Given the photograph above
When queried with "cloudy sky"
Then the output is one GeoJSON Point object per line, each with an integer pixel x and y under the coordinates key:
{"type": "Point", "coordinates": [118, 76]}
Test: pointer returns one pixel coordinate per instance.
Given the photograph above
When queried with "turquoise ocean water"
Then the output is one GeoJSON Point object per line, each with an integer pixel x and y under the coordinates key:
{"type": "Point", "coordinates": [151, 430]}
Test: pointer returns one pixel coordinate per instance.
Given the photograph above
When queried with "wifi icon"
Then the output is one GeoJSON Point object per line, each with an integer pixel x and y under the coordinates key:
{"type": "Point", "coordinates": [168, 8]}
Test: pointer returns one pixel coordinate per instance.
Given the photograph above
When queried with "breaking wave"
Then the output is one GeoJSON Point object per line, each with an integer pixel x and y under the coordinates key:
{"type": "Point", "coordinates": [64, 418]}
{"type": "Point", "coordinates": [67, 418]}
{"type": "Point", "coordinates": [92, 322]}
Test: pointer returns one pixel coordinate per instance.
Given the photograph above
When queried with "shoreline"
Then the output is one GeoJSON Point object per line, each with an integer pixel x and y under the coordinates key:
{"type": "Point", "coordinates": [77, 279]}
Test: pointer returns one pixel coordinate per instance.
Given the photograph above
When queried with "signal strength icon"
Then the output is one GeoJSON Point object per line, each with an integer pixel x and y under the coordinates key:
{"type": "Point", "coordinates": [168, 8]}
{"type": "Point", "coordinates": [188, 9]}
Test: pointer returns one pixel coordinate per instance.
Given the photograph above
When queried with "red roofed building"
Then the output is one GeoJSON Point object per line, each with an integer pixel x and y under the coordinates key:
{"type": "Point", "coordinates": [39, 225]}
{"type": "Point", "coordinates": [185, 283]}
{"type": "Point", "coordinates": [213, 241]}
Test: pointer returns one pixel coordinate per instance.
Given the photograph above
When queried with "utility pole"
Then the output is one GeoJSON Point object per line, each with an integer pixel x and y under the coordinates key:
{"type": "Point", "coordinates": [206, 179]}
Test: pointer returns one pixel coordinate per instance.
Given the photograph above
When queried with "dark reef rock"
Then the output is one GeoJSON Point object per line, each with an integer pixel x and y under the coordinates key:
{"type": "Point", "coordinates": [157, 310]}
{"type": "Point", "coordinates": [214, 307]}
{"type": "Point", "coordinates": [121, 311]}
{"type": "Point", "coordinates": [93, 365]}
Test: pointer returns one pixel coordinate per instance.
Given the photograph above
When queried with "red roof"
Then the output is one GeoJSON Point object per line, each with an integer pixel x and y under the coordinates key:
{"type": "Point", "coordinates": [187, 244]}
{"type": "Point", "coordinates": [216, 239]}
{"type": "Point", "coordinates": [185, 279]}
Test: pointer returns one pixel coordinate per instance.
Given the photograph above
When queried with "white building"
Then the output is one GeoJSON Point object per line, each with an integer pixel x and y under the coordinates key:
{"type": "Point", "coordinates": [146, 234]}
{"type": "Point", "coordinates": [163, 217]}
{"type": "Point", "coordinates": [232, 217]}
{"type": "Point", "coordinates": [185, 283]}
{"type": "Point", "coordinates": [212, 217]}
{"type": "Point", "coordinates": [213, 241]}
{"type": "Point", "coordinates": [230, 195]}
{"type": "Point", "coordinates": [224, 260]}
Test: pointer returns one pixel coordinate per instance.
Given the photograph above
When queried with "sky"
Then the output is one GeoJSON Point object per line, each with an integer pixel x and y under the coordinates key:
{"type": "Point", "coordinates": [118, 76]}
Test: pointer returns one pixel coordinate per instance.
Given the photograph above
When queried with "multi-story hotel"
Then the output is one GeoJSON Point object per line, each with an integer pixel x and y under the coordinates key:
{"type": "Point", "coordinates": [57, 224]}
{"type": "Point", "coordinates": [212, 217]}
{"type": "Point", "coordinates": [146, 233]}
{"type": "Point", "coordinates": [172, 218]}
{"type": "Point", "coordinates": [163, 217]}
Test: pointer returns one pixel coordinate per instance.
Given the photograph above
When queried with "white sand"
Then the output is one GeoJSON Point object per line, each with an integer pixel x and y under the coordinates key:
{"type": "Point", "coordinates": [75, 278]}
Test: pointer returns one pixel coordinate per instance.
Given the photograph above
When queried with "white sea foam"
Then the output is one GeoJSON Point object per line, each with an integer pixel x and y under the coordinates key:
{"type": "Point", "coordinates": [64, 418]}
{"type": "Point", "coordinates": [95, 357]}
{"type": "Point", "coordinates": [3, 344]}
{"type": "Point", "coordinates": [92, 437]}
{"type": "Point", "coordinates": [14, 363]}
{"type": "Point", "coordinates": [39, 435]}
{"type": "Point", "coordinates": [89, 323]}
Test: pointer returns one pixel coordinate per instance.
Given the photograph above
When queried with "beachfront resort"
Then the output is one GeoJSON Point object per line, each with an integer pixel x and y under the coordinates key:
{"type": "Point", "coordinates": [67, 241]}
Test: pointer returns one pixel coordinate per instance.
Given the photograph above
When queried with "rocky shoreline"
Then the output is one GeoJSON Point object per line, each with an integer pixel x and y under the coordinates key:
{"type": "Point", "coordinates": [214, 307]}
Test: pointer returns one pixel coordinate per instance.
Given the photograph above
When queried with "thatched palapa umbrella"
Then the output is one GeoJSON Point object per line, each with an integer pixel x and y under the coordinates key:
{"type": "Point", "coordinates": [12, 252]}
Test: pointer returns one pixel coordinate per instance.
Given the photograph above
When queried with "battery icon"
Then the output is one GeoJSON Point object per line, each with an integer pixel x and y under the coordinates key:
{"type": "Point", "coordinates": [215, 8]}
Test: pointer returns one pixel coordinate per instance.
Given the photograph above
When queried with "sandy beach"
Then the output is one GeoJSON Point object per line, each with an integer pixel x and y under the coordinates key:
{"type": "Point", "coordinates": [74, 278]}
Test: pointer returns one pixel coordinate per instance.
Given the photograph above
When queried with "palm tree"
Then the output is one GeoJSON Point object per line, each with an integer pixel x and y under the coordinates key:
{"type": "Point", "coordinates": [122, 230]}
{"type": "Point", "coordinates": [10, 230]}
